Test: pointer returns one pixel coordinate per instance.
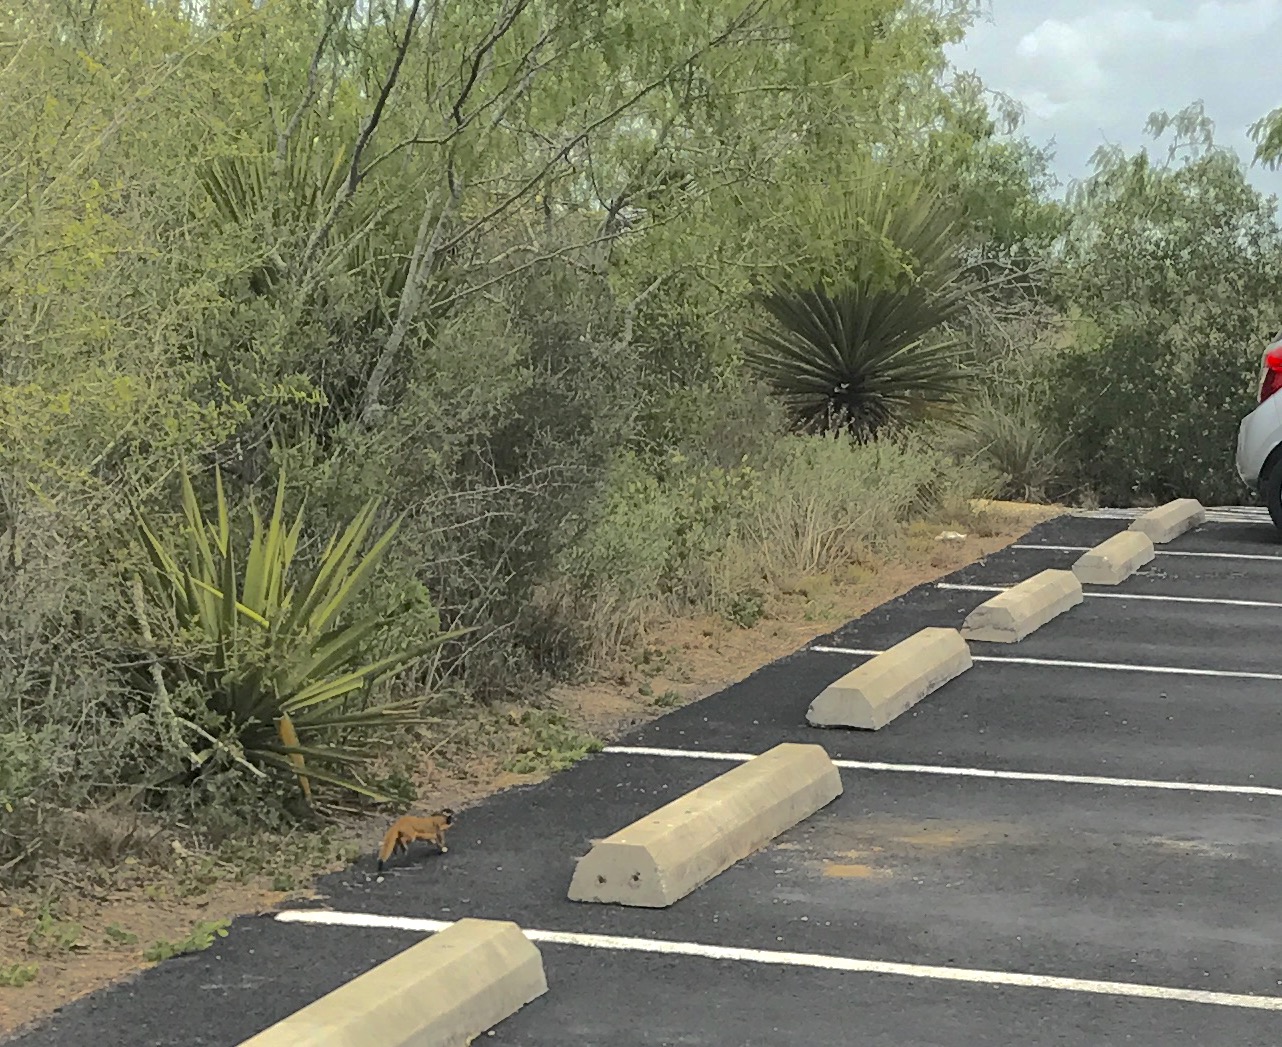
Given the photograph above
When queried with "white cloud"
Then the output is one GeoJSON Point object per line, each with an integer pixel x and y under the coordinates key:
{"type": "Point", "coordinates": [1089, 71]}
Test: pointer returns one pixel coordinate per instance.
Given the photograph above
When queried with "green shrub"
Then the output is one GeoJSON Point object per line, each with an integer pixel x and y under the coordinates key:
{"type": "Point", "coordinates": [1014, 438]}
{"type": "Point", "coordinates": [697, 537]}
{"type": "Point", "coordinates": [867, 347]}
{"type": "Point", "coordinates": [67, 726]}
{"type": "Point", "coordinates": [1152, 413]}
{"type": "Point", "coordinates": [279, 671]}
{"type": "Point", "coordinates": [827, 503]}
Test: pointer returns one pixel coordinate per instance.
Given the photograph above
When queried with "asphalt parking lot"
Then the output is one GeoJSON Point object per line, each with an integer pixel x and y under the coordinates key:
{"type": "Point", "coordinates": [1074, 843]}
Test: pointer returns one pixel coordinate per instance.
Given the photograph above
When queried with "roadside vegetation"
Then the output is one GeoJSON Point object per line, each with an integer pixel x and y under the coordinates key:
{"type": "Point", "coordinates": [368, 371]}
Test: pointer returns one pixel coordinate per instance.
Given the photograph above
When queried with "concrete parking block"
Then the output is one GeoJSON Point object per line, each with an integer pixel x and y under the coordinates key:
{"type": "Point", "coordinates": [1115, 560]}
{"type": "Point", "coordinates": [1024, 608]}
{"type": "Point", "coordinates": [661, 858]}
{"type": "Point", "coordinates": [443, 992]}
{"type": "Point", "coordinates": [1170, 520]}
{"type": "Point", "coordinates": [873, 694]}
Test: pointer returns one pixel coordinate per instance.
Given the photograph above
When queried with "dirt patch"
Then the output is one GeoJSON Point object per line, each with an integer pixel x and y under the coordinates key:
{"type": "Point", "coordinates": [87, 943]}
{"type": "Point", "coordinates": [94, 940]}
{"type": "Point", "coordinates": [875, 835]}
{"type": "Point", "coordinates": [855, 871]}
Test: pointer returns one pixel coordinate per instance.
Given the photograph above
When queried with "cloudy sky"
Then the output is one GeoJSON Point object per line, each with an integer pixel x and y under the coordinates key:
{"type": "Point", "coordinates": [1090, 71]}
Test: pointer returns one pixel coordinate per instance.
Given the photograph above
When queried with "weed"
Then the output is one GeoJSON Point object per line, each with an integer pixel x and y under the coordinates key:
{"type": "Point", "coordinates": [552, 744]}
{"type": "Point", "coordinates": [746, 609]}
{"type": "Point", "coordinates": [201, 937]}
{"type": "Point", "coordinates": [1014, 439]}
{"type": "Point", "coordinates": [669, 699]}
{"type": "Point", "coordinates": [51, 934]}
{"type": "Point", "coordinates": [16, 975]}
{"type": "Point", "coordinates": [654, 660]}
{"type": "Point", "coordinates": [114, 934]}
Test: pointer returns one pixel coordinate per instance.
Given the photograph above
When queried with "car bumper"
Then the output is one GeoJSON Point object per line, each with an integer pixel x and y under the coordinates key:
{"type": "Point", "coordinates": [1257, 436]}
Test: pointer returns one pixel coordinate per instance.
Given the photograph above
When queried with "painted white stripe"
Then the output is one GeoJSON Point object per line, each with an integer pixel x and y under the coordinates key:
{"type": "Point", "coordinates": [1237, 515]}
{"type": "Point", "coordinates": [1220, 514]}
{"type": "Point", "coordinates": [1123, 596]}
{"type": "Point", "coordinates": [815, 961]}
{"type": "Point", "coordinates": [1162, 670]}
{"type": "Point", "coordinates": [967, 772]}
{"type": "Point", "coordinates": [1160, 552]}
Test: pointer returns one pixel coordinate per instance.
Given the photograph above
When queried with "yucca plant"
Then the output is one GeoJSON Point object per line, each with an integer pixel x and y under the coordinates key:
{"type": "Point", "coordinates": [285, 197]}
{"type": "Point", "coordinates": [1010, 434]}
{"type": "Point", "coordinates": [278, 664]}
{"type": "Point", "coordinates": [867, 346]}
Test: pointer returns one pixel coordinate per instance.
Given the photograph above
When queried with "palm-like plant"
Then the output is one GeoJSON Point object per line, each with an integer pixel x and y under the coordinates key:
{"type": "Point", "coordinates": [283, 198]}
{"type": "Point", "coordinates": [277, 666]}
{"type": "Point", "coordinates": [866, 347]}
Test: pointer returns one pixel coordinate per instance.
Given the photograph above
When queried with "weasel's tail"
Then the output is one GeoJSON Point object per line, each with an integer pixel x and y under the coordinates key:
{"type": "Point", "coordinates": [387, 846]}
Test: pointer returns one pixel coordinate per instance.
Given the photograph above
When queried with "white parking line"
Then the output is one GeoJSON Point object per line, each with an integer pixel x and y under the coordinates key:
{"type": "Point", "coordinates": [966, 772]}
{"type": "Point", "coordinates": [1162, 670]}
{"type": "Point", "coordinates": [1123, 596]}
{"type": "Point", "coordinates": [818, 961]}
{"type": "Point", "coordinates": [1237, 514]}
{"type": "Point", "coordinates": [1159, 552]}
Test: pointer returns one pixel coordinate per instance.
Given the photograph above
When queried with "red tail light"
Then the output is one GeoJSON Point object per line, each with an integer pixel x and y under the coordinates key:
{"type": "Point", "coordinates": [1271, 375]}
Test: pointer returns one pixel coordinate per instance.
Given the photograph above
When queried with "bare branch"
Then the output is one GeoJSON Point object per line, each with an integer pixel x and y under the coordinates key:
{"type": "Point", "coordinates": [630, 313]}
{"type": "Point", "coordinates": [483, 55]}
{"type": "Point", "coordinates": [352, 182]}
{"type": "Point", "coordinates": [310, 92]}
{"type": "Point", "coordinates": [518, 85]}
{"type": "Point", "coordinates": [427, 244]}
{"type": "Point", "coordinates": [744, 18]}
{"type": "Point", "coordinates": [428, 241]}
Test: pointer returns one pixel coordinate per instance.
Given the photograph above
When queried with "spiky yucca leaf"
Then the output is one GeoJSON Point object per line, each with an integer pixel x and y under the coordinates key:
{"type": "Point", "coordinates": [869, 347]}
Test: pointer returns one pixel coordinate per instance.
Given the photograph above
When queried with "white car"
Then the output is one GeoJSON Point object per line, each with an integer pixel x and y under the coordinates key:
{"type": "Point", "coordinates": [1259, 437]}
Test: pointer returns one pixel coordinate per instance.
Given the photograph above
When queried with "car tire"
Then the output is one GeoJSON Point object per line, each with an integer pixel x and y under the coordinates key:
{"type": "Point", "coordinates": [1271, 491]}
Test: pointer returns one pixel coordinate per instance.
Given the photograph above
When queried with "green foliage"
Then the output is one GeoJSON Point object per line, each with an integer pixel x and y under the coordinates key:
{"type": "Point", "coordinates": [1164, 401]}
{"type": "Point", "coordinates": [552, 744]}
{"type": "Point", "coordinates": [277, 666]}
{"type": "Point", "coordinates": [872, 352]}
{"type": "Point", "coordinates": [745, 609]}
{"type": "Point", "coordinates": [805, 506]}
{"type": "Point", "coordinates": [1003, 182]}
{"type": "Point", "coordinates": [16, 975]}
{"type": "Point", "coordinates": [116, 935]}
{"type": "Point", "coordinates": [827, 503]}
{"type": "Point", "coordinates": [667, 700]}
{"type": "Point", "coordinates": [202, 936]}
{"type": "Point", "coordinates": [1018, 442]}
{"type": "Point", "coordinates": [52, 934]}
{"type": "Point", "coordinates": [1177, 264]}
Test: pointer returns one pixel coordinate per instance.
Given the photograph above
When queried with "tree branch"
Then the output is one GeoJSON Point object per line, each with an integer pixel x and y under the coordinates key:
{"type": "Point", "coordinates": [561, 153]}
{"type": "Point", "coordinates": [310, 92]}
{"type": "Point", "coordinates": [352, 182]}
